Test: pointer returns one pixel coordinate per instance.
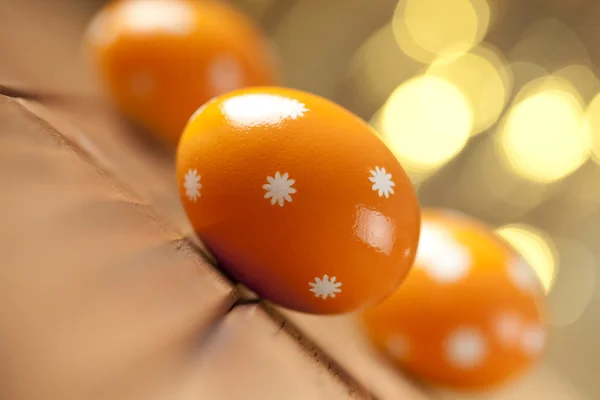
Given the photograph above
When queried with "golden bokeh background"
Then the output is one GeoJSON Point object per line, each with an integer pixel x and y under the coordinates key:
{"type": "Point", "coordinates": [493, 107]}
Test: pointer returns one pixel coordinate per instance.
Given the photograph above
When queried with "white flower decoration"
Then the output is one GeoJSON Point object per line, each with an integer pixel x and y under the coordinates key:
{"type": "Point", "coordinates": [297, 109]}
{"type": "Point", "coordinates": [192, 185]}
{"type": "Point", "coordinates": [382, 182]}
{"type": "Point", "coordinates": [444, 259]}
{"type": "Point", "coordinates": [523, 276]}
{"type": "Point", "coordinates": [279, 189]}
{"type": "Point", "coordinates": [466, 348]}
{"type": "Point", "coordinates": [325, 287]}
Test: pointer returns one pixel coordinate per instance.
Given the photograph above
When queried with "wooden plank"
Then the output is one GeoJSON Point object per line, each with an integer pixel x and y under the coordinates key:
{"type": "Point", "coordinates": [94, 292]}
{"type": "Point", "coordinates": [262, 362]}
{"type": "Point", "coordinates": [341, 338]}
{"type": "Point", "coordinates": [123, 151]}
{"type": "Point", "coordinates": [149, 172]}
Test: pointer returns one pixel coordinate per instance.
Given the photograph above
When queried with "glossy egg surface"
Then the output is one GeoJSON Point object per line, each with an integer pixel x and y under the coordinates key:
{"type": "Point", "coordinates": [469, 314]}
{"type": "Point", "coordinates": [299, 199]}
{"type": "Point", "coordinates": [159, 60]}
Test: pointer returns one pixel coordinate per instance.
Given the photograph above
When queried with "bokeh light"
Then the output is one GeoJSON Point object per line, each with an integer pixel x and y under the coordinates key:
{"type": "Point", "coordinates": [426, 28]}
{"type": "Point", "coordinates": [482, 77]}
{"type": "Point", "coordinates": [426, 122]}
{"type": "Point", "coordinates": [544, 137]}
{"type": "Point", "coordinates": [536, 247]}
{"type": "Point", "coordinates": [592, 122]}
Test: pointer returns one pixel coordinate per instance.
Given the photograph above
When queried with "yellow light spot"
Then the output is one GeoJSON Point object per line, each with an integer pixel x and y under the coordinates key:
{"type": "Point", "coordinates": [536, 247]}
{"type": "Point", "coordinates": [426, 122]}
{"type": "Point", "coordinates": [417, 174]}
{"type": "Point", "coordinates": [544, 137]}
{"type": "Point", "coordinates": [592, 121]}
{"type": "Point", "coordinates": [482, 77]}
{"type": "Point", "coordinates": [426, 28]}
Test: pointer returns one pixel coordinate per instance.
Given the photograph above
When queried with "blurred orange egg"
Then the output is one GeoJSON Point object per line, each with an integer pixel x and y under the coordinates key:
{"type": "Point", "coordinates": [299, 199]}
{"type": "Point", "coordinates": [468, 315]}
{"type": "Point", "coordinates": [160, 60]}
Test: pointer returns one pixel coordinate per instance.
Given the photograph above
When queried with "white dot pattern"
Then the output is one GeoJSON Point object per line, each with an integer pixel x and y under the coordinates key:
{"type": "Point", "coordinates": [466, 348]}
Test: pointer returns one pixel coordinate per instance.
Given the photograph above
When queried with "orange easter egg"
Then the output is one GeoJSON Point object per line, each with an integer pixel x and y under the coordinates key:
{"type": "Point", "coordinates": [160, 60]}
{"type": "Point", "coordinates": [299, 199]}
{"type": "Point", "coordinates": [468, 315]}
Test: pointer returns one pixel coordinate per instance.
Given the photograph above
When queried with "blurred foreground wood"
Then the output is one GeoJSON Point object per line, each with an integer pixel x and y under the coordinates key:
{"type": "Point", "coordinates": [100, 300]}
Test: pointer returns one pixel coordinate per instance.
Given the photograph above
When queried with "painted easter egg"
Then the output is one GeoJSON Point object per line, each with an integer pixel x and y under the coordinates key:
{"type": "Point", "coordinates": [298, 199]}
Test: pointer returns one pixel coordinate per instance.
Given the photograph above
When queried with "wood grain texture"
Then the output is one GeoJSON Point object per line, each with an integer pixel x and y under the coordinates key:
{"type": "Point", "coordinates": [342, 339]}
{"type": "Point", "coordinates": [119, 298]}
{"type": "Point", "coordinates": [93, 289]}
{"type": "Point", "coordinates": [94, 140]}
{"type": "Point", "coordinates": [262, 362]}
